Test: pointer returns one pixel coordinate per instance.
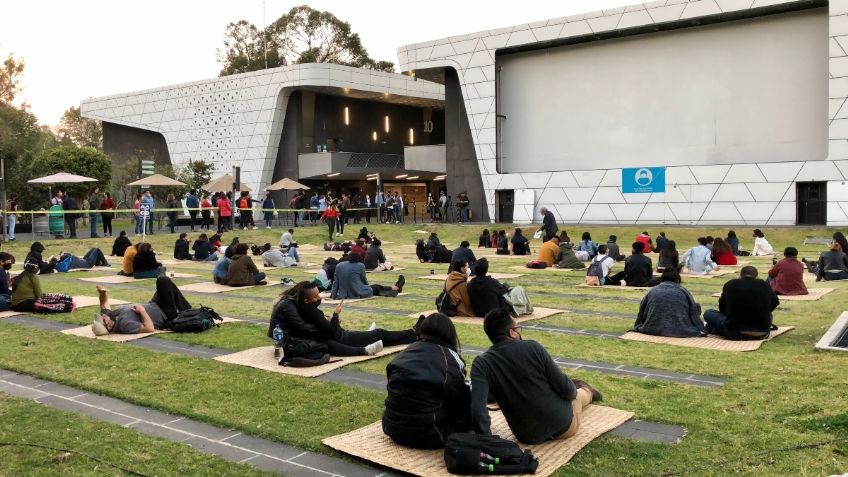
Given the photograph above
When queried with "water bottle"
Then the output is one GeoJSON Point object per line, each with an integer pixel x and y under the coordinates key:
{"type": "Point", "coordinates": [487, 467]}
{"type": "Point", "coordinates": [486, 458]}
{"type": "Point", "coordinates": [278, 341]}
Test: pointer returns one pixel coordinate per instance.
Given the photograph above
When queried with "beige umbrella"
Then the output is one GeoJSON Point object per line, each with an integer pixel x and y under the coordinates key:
{"type": "Point", "coordinates": [156, 180]}
{"type": "Point", "coordinates": [286, 184]}
{"type": "Point", "coordinates": [224, 184]}
{"type": "Point", "coordinates": [61, 178]}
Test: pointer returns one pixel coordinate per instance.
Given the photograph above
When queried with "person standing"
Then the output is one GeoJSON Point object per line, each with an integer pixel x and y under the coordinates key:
{"type": "Point", "coordinates": [172, 205]}
{"type": "Point", "coordinates": [70, 206]}
{"type": "Point", "coordinates": [463, 203]}
{"type": "Point", "coordinates": [107, 207]}
{"type": "Point", "coordinates": [205, 212]}
{"type": "Point", "coordinates": [330, 215]}
{"type": "Point", "coordinates": [343, 207]}
{"type": "Point", "coordinates": [137, 214]}
{"type": "Point", "coordinates": [147, 199]}
{"type": "Point", "coordinates": [93, 207]}
{"type": "Point", "coordinates": [379, 200]}
{"type": "Point", "coordinates": [268, 210]}
{"type": "Point", "coordinates": [549, 225]}
{"type": "Point", "coordinates": [225, 212]}
{"type": "Point", "coordinates": [12, 219]}
{"type": "Point", "coordinates": [443, 206]}
{"type": "Point", "coordinates": [368, 208]}
{"type": "Point", "coordinates": [192, 204]}
{"type": "Point", "coordinates": [313, 208]}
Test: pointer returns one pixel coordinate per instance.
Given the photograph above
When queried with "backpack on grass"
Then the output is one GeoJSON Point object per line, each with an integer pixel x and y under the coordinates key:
{"type": "Point", "coordinates": [467, 454]}
{"type": "Point", "coordinates": [194, 320]}
{"type": "Point", "coordinates": [537, 264]}
{"type": "Point", "coordinates": [595, 273]}
{"type": "Point", "coordinates": [54, 303]}
{"type": "Point", "coordinates": [444, 303]}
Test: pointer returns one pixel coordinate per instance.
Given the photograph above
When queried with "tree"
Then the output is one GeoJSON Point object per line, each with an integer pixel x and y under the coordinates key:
{"type": "Point", "coordinates": [81, 131]}
{"type": "Point", "coordinates": [10, 75]}
{"type": "Point", "coordinates": [196, 173]}
{"type": "Point", "coordinates": [21, 139]}
{"type": "Point", "coordinates": [84, 161]}
{"type": "Point", "coordinates": [303, 35]}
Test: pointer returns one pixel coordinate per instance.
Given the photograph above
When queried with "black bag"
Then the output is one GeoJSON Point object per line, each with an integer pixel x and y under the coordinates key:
{"type": "Point", "coordinates": [478, 454]}
{"type": "Point", "coordinates": [444, 303]}
{"type": "Point", "coordinates": [303, 352]}
{"type": "Point", "coordinates": [537, 264]}
{"type": "Point", "coordinates": [194, 320]}
{"type": "Point", "coordinates": [256, 249]}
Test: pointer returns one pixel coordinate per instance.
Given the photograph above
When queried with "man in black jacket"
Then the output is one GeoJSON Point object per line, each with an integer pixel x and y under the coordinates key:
{"type": "Point", "coordinates": [744, 309]}
{"type": "Point", "coordinates": [299, 317]}
{"type": "Point", "coordinates": [549, 225]}
{"type": "Point", "coordinates": [638, 270]}
{"type": "Point", "coordinates": [538, 401]}
{"type": "Point", "coordinates": [70, 206]}
{"type": "Point", "coordinates": [181, 248]}
{"type": "Point", "coordinates": [488, 294]}
{"type": "Point", "coordinates": [464, 254]}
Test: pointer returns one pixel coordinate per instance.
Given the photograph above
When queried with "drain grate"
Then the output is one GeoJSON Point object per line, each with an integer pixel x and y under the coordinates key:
{"type": "Point", "coordinates": [841, 341]}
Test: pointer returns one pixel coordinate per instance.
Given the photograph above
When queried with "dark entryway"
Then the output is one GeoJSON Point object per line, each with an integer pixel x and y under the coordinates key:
{"type": "Point", "coordinates": [812, 203]}
{"type": "Point", "coordinates": [505, 204]}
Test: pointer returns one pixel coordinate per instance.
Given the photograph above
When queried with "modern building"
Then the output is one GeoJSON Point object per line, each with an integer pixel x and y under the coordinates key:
{"type": "Point", "coordinates": [698, 112]}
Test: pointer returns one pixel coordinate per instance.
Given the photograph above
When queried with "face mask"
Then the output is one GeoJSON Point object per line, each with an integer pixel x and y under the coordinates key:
{"type": "Point", "coordinates": [316, 303]}
{"type": "Point", "coordinates": [7, 266]}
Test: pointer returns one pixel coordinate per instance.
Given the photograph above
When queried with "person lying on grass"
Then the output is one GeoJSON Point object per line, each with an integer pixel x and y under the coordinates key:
{"type": "Point", "coordinates": [744, 308]}
{"type": "Point", "coordinates": [298, 314]}
{"type": "Point", "coordinates": [93, 258]}
{"type": "Point", "coordinates": [165, 305]}
{"type": "Point", "coordinates": [538, 401]}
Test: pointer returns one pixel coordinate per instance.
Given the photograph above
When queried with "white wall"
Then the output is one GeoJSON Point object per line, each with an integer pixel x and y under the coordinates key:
{"type": "Point", "coordinates": [741, 92]}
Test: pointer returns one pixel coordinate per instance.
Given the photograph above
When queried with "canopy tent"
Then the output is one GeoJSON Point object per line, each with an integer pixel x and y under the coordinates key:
{"type": "Point", "coordinates": [61, 178]}
{"type": "Point", "coordinates": [224, 184]}
{"type": "Point", "coordinates": [286, 184]}
{"type": "Point", "coordinates": [156, 180]}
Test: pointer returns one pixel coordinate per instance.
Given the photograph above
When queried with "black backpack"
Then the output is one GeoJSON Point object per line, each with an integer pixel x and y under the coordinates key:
{"type": "Point", "coordinates": [194, 320]}
{"type": "Point", "coordinates": [256, 249]}
{"type": "Point", "coordinates": [479, 454]}
{"type": "Point", "coordinates": [596, 268]}
{"type": "Point", "coordinates": [443, 302]}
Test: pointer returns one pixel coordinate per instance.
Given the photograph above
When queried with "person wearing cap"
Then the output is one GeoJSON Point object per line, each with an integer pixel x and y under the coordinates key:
{"type": "Point", "coordinates": [34, 256]}
{"type": "Point", "coordinates": [166, 304]}
{"type": "Point", "coordinates": [786, 277]}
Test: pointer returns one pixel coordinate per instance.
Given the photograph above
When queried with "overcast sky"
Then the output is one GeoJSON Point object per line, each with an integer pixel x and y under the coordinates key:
{"type": "Point", "coordinates": [83, 48]}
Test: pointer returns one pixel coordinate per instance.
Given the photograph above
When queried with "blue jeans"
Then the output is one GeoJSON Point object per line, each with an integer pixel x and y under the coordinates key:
{"type": "Point", "coordinates": [5, 302]}
{"type": "Point", "coordinates": [211, 258]}
{"type": "Point", "coordinates": [138, 223]}
{"type": "Point", "coordinates": [259, 277]}
{"type": "Point", "coordinates": [292, 251]}
{"type": "Point", "coordinates": [463, 214]}
{"type": "Point", "coordinates": [92, 221]}
{"type": "Point", "coordinates": [95, 258]}
{"type": "Point", "coordinates": [716, 319]}
{"type": "Point", "coordinates": [11, 219]}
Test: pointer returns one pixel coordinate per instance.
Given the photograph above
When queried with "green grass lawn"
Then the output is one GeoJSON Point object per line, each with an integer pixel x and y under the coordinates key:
{"type": "Point", "coordinates": [785, 395]}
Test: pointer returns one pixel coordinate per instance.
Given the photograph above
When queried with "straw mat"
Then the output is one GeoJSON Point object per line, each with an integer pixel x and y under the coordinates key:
{"type": "Point", "coordinates": [712, 342]}
{"type": "Point", "coordinates": [538, 314]}
{"type": "Point", "coordinates": [263, 358]}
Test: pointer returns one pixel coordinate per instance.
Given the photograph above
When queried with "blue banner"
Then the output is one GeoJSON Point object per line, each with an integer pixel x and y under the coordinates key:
{"type": "Point", "coordinates": [643, 180]}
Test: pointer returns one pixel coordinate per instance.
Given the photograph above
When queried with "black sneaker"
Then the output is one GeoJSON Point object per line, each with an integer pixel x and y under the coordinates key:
{"type": "Point", "coordinates": [596, 395]}
{"type": "Point", "coordinates": [400, 283]}
{"type": "Point", "coordinates": [417, 327]}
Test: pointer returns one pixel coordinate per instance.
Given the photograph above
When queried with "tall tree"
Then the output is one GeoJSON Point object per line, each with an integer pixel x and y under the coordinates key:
{"type": "Point", "coordinates": [10, 76]}
{"type": "Point", "coordinates": [303, 35]}
{"type": "Point", "coordinates": [81, 131]}
{"type": "Point", "coordinates": [84, 161]}
{"type": "Point", "coordinates": [196, 173]}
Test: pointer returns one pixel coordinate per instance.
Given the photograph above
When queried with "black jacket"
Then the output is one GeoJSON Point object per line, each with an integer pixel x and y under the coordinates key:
{"type": "Point", "coordinates": [144, 262]}
{"type": "Point", "coordinates": [747, 303]}
{"type": "Point", "coordinates": [427, 395]}
{"type": "Point", "coordinates": [120, 246]}
{"type": "Point", "coordinates": [464, 254]}
{"type": "Point", "coordinates": [181, 250]}
{"type": "Point", "coordinates": [549, 224]}
{"type": "Point", "coordinates": [303, 321]}
{"type": "Point", "coordinates": [638, 270]}
{"type": "Point", "coordinates": [69, 203]}
{"type": "Point", "coordinates": [486, 295]}
{"type": "Point", "coordinates": [373, 257]}
{"type": "Point", "coordinates": [520, 245]}
{"type": "Point", "coordinates": [34, 256]}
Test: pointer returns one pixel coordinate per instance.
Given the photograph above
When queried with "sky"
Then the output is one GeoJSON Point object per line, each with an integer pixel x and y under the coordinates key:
{"type": "Point", "coordinates": [86, 48]}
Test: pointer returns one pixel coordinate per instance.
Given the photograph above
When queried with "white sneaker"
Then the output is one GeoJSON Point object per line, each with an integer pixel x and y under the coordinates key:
{"type": "Point", "coordinates": [257, 228]}
{"type": "Point", "coordinates": [373, 326]}
{"type": "Point", "coordinates": [374, 348]}
{"type": "Point", "coordinates": [269, 228]}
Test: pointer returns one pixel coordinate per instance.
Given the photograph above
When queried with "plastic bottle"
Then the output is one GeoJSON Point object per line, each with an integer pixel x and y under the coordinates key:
{"type": "Point", "coordinates": [489, 459]}
{"type": "Point", "coordinates": [487, 467]}
{"type": "Point", "coordinates": [278, 341]}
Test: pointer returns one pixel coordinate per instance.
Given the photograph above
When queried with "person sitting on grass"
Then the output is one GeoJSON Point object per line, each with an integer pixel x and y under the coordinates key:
{"type": "Point", "coordinates": [567, 257]}
{"type": "Point", "coordinates": [722, 252]}
{"type": "Point", "coordinates": [129, 259]}
{"type": "Point", "coordinates": [275, 257]}
{"type": "Point", "coordinates": [375, 259]}
{"type": "Point", "coordinates": [484, 240]}
{"type": "Point", "coordinates": [364, 235]}
{"type": "Point", "coordinates": [298, 314]}
{"type": "Point", "coordinates": [242, 272]}
{"type": "Point", "coordinates": [520, 244]}
{"type": "Point", "coordinates": [34, 256]}
{"type": "Point", "coordinates": [26, 290]}
{"type": "Point", "coordinates": [358, 248]}
{"type": "Point", "coordinates": [605, 262]}
{"type": "Point", "coordinates": [744, 309]}
{"type": "Point", "coordinates": [612, 249]}
{"type": "Point", "coordinates": [456, 284]}
{"type": "Point", "coordinates": [588, 246]}
{"type": "Point", "coordinates": [645, 239]}
{"type": "Point", "coordinates": [93, 258]}
{"type": "Point", "coordinates": [428, 399]}
{"type": "Point", "coordinates": [538, 400]}
{"type": "Point", "coordinates": [832, 265]}
{"type": "Point", "coordinates": [669, 257]}
{"type": "Point", "coordinates": [181, 248]}
{"type": "Point", "coordinates": [637, 270]}
{"type": "Point", "coordinates": [662, 242]}
{"type": "Point", "coordinates": [549, 251]}
{"type": "Point", "coordinates": [490, 294]}
{"type": "Point", "coordinates": [698, 260]}
{"type": "Point", "coordinates": [502, 243]}
{"type": "Point", "coordinates": [761, 245]}
{"type": "Point", "coordinates": [464, 253]}
{"type": "Point", "coordinates": [6, 262]}
{"type": "Point", "coordinates": [349, 281]}
{"type": "Point", "coordinates": [165, 305]}
{"type": "Point", "coordinates": [786, 277]}
{"type": "Point", "coordinates": [121, 243]}
{"type": "Point", "coordinates": [222, 267]}
{"type": "Point", "coordinates": [669, 310]}
{"type": "Point", "coordinates": [204, 250]}
{"type": "Point", "coordinates": [288, 244]}
{"type": "Point", "coordinates": [145, 264]}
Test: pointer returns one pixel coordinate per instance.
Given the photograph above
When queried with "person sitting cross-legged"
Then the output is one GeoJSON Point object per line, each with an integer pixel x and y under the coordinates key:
{"type": "Point", "coordinates": [165, 305]}
{"type": "Point", "coordinates": [204, 249]}
{"type": "Point", "coordinates": [744, 309]}
{"type": "Point", "coordinates": [289, 245]}
{"type": "Point", "coordinates": [539, 402]}
{"type": "Point", "coordinates": [612, 249]}
{"type": "Point", "coordinates": [698, 260]}
{"type": "Point", "coordinates": [669, 310]}
{"type": "Point", "coordinates": [349, 281]}
{"type": "Point", "coordinates": [298, 315]}
{"type": "Point", "coordinates": [786, 277]}
{"type": "Point", "coordinates": [456, 285]}
{"type": "Point", "coordinates": [464, 253]}
{"type": "Point", "coordinates": [637, 269]}
{"type": "Point", "coordinates": [121, 243]}
{"type": "Point", "coordinates": [549, 251]}
{"type": "Point", "coordinates": [375, 259]}
{"type": "Point", "coordinates": [428, 399]}
{"type": "Point", "coordinates": [276, 257]}
{"type": "Point", "coordinates": [181, 248]}
{"type": "Point", "coordinates": [144, 263]}
{"type": "Point", "coordinates": [222, 267]}
{"type": "Point", "coordinates": [490, 294]}
{"type": "Point", "coordinates": [242, 272]}
{"type": "Point", "coordinates": [567, 257]}
{"type": "Point", "coordinates": [832, 264]}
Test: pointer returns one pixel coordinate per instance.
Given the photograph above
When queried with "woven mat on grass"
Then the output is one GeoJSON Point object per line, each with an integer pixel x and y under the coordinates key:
{"type": "Point", "coordinates": [325, 298]}
{"type": "Point", "coordinates": [718, 273]}
{"type": "Point", "coordinates": [92, 269]}
{"type": "Point", "coordinates": [713, 342]}
{"type": "Point", "coordinates": [83, 301]}
{"type": "Point", "coordinates": [371, 444]}
{"type": "Point", "coordinates": [538, 314]}
{"type": "Point", "coordinates": [9, 313]}
{"type": "Point", "coordinates": [85, 332]}
{"type": "Point", "coordinates": [496, 276]}
{"type": "Point", "coordinates": [263, 358]}
{"type": "Point", "coordinates": [549, 269]}
{"type": "Point", "coordinates": [211, 287]}
{"type": "Point", "coordinates": [116, 279]}
{"type": "Point", "coordinates": [614, 288]}
{"type": "Point", "coordinates": [396, 269]}
{"type": "Point", "coordinates": [815, 294]}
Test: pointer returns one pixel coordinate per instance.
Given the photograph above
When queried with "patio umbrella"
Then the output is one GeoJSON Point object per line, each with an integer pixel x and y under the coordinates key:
{"type": "Point", "coordinates": [156, 180]}
{"type": "Point", "coordinates": [61, 178]}
{"type": "Point", "coordinates": [286, 184]}
{"type": "Point", "coordinates": [224, 184]}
